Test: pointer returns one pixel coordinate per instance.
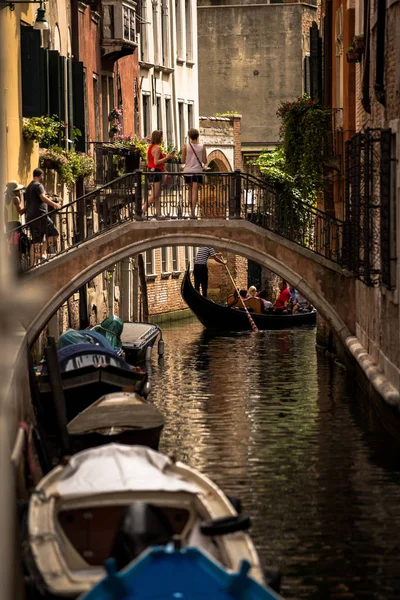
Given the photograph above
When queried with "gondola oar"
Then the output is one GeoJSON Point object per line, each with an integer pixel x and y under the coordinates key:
{"type": "Point", "coordinates": [253, 325]}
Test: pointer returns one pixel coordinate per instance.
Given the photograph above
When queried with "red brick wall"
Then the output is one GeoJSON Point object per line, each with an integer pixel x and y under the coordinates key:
{"type": "Point", "coordinates": [128, 70]}
{"type": "Point", "coordinates": [89, 53]}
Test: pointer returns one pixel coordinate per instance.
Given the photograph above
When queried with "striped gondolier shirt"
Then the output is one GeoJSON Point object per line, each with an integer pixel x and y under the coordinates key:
{"type": "Point", "coordinates": [203, 255]}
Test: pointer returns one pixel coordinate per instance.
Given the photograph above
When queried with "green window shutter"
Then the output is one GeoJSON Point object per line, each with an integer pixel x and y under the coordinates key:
{"type": "Point", "coordinates": [33, 73]}
{"type": "Point", "coordinates": [57, 84]}
{"type": "Point", "coordinates": [78, 92]}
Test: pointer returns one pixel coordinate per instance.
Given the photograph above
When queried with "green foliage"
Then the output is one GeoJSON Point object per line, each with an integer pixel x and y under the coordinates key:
{"type": "Point", "coordinates": [305, 125]}
{"type": "Point", "coordinates": [129, 142]}
{"type": "Point", "coordinates": [43, 130]}
{"type": "Point", "coordinates": [70, 165]}
{"type": "Point", "coordinates": [227, 113]}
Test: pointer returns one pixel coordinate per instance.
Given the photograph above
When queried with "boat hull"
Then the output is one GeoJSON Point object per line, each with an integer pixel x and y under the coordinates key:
{"type": "Point", "coordinates": [138, 340]}
{"type": "Point", "coordinates": [224, 318]}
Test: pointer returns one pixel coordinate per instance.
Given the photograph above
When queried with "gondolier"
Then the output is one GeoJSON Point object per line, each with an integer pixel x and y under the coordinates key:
{"type": "Point", "coordinates": [200, 271]}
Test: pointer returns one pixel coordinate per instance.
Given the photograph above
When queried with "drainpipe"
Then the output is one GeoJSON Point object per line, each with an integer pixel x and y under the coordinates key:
{"type": "Point", "coordinates": [126, 289]}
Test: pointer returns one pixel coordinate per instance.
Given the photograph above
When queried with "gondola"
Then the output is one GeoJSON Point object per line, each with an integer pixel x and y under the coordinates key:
{"type": "Point", "coordinates": [122, 418]}
{"type": "Point", "coordinates": [225, 318]}
{"type": "Point", "coordinates": [119, 501]}
{"type": "Point", "coordinates": [87, 373]}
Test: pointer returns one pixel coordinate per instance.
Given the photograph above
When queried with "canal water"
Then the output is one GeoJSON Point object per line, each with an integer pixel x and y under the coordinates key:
{"type": "Point", "coordinates": [273, 421]}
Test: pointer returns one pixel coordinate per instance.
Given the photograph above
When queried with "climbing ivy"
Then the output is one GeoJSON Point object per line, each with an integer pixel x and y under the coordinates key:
{"type": "Point", "coordinates": [304, 128]}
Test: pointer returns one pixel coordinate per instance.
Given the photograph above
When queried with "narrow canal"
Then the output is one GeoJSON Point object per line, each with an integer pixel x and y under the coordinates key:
{"type": "Point", "coordinates": [273, 421]}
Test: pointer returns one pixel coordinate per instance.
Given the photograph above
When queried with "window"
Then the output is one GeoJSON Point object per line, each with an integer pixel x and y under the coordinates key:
{"type": "Point", "coordinates": [165, 33]}
{"type": "Point", "coordinates": [175, 258]}
{"type": "Point", "coordinates": [165, 260]}
{"type": "Point", "coordinates": [96, 96]}
{"type": "Point", "coordinates": [188, 30]}
{"type": "Point", "coordinates": [146, 114]}
{"type": "Point", "coordinates": [168, 119]}
{"type": "Point", "coordinates": [155, 33]}
{"type": "Point", "coordinates": [388, 188]}
{"type": "Point", "coordinates": [182, 129]}
{"type": "Point", "coordinates": [144, 44]}
{"type": "Point", "coordinates": [189, 257]}
{"type": "Point", "coordinates": [129, 23]}
{"type": "Point", "coordinates": [149, 262]}
{"type": "Point", "coordinates": [179, 33]}
{"type": "Point", "coordinates": [159, 115]}
{"type": "Point", "coordinates": [190, 115]}
{"type": "Point", "coordinates": [107, 98]}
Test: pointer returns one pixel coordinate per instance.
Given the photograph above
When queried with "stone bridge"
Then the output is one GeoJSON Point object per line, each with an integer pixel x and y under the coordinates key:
{"type": "Point", "coordinates": [329, 287]}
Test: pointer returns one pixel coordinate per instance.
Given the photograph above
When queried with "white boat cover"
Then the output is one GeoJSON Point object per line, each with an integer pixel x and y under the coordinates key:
{"type": "Point", "coordinates": [119, 468]}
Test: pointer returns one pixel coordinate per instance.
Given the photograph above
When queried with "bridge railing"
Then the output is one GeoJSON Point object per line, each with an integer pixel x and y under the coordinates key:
{"type": "Point", "coordinates": [231, 195]}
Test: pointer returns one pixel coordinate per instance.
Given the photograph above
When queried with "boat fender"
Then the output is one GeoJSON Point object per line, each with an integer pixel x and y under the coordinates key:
{"type": "Point", "coordinates": [236, 503]}
{"type": "Point", "coordinates": [160, 347]}
{"type": "Point", "coordinates": [146, 389]}
{"type": "Point", "coordinates": [225, 525]}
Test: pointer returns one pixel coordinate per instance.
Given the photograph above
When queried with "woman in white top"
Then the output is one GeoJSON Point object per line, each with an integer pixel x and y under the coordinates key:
{"type": "Point", "coordinates": [194, 156]}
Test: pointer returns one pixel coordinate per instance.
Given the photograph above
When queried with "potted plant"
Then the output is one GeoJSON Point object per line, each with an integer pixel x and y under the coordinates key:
{"type": "Point", "coordinates": [359, 43]}
{"type": "Point", "coordinates": [116, 113]}
{"type": "Point", "coordinates": [352, 55]}
{"type": "Point", "coordinates": [43, 130]}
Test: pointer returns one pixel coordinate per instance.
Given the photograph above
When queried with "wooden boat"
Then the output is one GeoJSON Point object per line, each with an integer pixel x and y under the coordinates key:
{"type": "Point", "coordinates": [122, 418]}
{"type": "Point", "coordinates": [226, 318]}
{"type": "Point", "coordinates": [117, 501]}
{"type": "Point", "coordinates": [162, 573]}
{"type": "Point", "coordinates": [138, 340]}
{"type": "Point", "coordinates": [88, 372]}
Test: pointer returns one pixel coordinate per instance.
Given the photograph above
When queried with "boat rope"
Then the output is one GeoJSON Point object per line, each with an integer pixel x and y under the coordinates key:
{"type": "Point", "coordinates": [253, 325]}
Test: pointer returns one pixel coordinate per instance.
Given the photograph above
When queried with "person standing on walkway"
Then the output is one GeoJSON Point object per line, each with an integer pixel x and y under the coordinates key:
{"type": "Point", "coordinates": [37, 201]}
{"type": "Point", "coordinates": [156, 160]}
{"type": "Point", "coordinates": [200, 270]}
{"type": "Point", "coordinates": [194, 156]}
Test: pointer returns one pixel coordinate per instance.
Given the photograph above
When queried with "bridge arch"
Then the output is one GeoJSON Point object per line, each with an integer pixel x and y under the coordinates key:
{"type": "Point", "coordinates": [322, 282]}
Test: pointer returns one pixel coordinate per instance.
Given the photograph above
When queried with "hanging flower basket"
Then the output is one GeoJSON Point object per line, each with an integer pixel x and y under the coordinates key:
{"type": "Point", "coordinates": [353, 55]}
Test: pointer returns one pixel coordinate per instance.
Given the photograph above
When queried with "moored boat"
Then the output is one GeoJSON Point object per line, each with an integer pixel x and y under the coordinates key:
{"type": "Point", "coordinates": [87, 373]}
{"type": "Point", "coordinates": [226, 318]}
{"type": "Point", "coordinates": [122, 418]}
{"type": "Point", "coordinates": [169, 573]}
{"type": "Point", "coordinates": [117, 501]}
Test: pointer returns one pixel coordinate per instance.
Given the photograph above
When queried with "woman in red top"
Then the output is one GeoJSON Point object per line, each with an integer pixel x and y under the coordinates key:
{"type": "Point", "coordinates": [156, 160]}
{"type": "Point", "coordinates": [283, 298]}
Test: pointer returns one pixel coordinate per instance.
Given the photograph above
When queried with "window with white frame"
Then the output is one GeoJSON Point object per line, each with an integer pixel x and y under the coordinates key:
{"type": "Point", "coordinates": [182, 128]}
{"type": "Point", "coordinates": [129, 22]}
{"type": "Point", "coordinates": [179, 30]}
{"type": "Point", "coordinates": [149, 262]}
{"type": "Point", "coordinates": [188, 256]}
{"type": "Point", "coordinates": [188, 30]}
{"type": "Point", "coordinates": [190, 115]}
{"type": "Point", "coordinates": [159, 113]}
{"type": "Point", "coordinates": [156, 36]}
{"type": "Point", "coordinates": [165, 33]}
{"type": "Point", "coordinates": [168, 120]}
{"type": "Point", "coordinates": [144, 25]}
{"type": "Point", "coordinates": [175, 258]}
{"type": "Point", "coordinates": [165, 268]}
{"type": "Point", "coordinates": [146, 123]}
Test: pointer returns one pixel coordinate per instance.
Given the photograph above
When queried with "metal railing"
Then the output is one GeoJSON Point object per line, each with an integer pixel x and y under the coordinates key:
{"type": "Point", "coordinates": [231, 195]}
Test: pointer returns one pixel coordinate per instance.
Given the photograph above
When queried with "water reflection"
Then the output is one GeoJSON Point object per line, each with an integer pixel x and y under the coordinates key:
{"type": "Point", "coordinates": [275, 423]}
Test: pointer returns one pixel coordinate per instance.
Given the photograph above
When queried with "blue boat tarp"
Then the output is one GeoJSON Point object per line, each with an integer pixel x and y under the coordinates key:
{"type": "Point", "coordinates": [163, 573]}
{"type": "Point", "coordinates": [83, 336]}
{"type": "Point", "coordinates": [79, 356]}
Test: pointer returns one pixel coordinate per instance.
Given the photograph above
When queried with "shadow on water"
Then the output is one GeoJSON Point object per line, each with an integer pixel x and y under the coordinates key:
{"type": "Point", "coordinates": [276, 423]}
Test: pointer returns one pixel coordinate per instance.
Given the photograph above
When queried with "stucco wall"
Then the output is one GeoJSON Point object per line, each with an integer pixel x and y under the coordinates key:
{"type": "Point", "coordinates": [251, 59]}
